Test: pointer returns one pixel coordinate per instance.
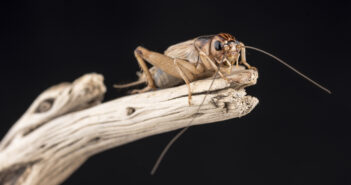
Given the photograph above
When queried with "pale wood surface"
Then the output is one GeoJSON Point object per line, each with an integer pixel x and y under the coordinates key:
{"type": "Point", "coordinates": [45, 148]}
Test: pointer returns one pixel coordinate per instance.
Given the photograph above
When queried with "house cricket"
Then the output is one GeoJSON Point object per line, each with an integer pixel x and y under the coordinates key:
{"type": "Point", "coordinates": [191, 60]}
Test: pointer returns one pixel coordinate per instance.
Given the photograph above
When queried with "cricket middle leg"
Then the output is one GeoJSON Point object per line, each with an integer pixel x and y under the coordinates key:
{"type": "Point", "coordinates": [186, 75]}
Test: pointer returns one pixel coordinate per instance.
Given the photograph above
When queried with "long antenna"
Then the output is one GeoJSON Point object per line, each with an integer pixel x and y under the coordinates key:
{"type": "Point", "coordinates": [170, 143]}
{"type": "Point", "coordinates": [290, 67]}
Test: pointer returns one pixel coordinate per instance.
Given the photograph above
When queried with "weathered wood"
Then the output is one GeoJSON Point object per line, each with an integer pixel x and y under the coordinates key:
{"type": "Point", "coordinates": [65, 125]}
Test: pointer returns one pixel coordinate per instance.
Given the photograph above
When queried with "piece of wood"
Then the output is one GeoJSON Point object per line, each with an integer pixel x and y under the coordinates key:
{"type": "Point", "coordinates": [66, 124]}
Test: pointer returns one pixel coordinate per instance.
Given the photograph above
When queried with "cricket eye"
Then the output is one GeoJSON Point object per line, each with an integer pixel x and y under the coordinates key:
{"type": "Point", "coordinates": [218, 45]}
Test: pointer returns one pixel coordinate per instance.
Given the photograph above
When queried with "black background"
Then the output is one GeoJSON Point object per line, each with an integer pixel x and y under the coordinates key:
{"type": "Point", "coordinates": [297, 134]}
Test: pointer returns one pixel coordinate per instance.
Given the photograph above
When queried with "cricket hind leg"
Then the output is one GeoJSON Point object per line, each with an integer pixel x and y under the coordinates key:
{"type": "Point", "coordinates": [141, 80]}
{"type": "Point", "coordinates": [145, 77]}
{"type": "Point", "coordinates": [177, 68]}
{"type": "Point", "coordinates": [150, 81]}
{"type": "Point", "coordinates": [161, 61]}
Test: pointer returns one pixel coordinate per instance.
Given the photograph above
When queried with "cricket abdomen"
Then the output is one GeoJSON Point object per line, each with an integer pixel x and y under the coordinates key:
{"type": "Point", "coordinates": [164, 80]}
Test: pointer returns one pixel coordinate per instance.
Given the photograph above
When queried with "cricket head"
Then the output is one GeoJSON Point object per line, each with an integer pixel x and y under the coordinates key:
{"type": "Point", "coordinates": [222, 48]}
{"type": "Point", "coordinates": [225, 49]}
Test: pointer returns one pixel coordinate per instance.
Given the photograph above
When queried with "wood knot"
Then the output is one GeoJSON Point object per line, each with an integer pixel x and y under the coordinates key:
{"type": "Point", "coordinates": [130, 110]}
{"type": "Point", "coordinates": [45, 105]}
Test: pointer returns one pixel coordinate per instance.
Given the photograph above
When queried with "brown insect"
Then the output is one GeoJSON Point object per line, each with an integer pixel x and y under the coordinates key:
{"type": "Point", "coordinates": [188, 61]}
{"type": "Point", "coordinates": [192, 60]}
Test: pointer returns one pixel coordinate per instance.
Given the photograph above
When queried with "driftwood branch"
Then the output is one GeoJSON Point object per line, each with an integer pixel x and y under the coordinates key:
{"type": "Point", "coordinates": [66, 124]}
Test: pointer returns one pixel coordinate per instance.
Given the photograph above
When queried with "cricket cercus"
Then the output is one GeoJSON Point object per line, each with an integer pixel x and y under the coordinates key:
{"type": "Point", "coordinates": [192, 60]}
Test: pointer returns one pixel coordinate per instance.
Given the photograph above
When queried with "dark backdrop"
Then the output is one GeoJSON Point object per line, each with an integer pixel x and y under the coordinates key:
{"type": "Point", "coordinates": [297, 134]}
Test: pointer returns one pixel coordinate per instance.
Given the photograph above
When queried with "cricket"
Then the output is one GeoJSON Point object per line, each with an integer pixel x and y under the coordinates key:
{"type": "Point", "coordinates": [195, 59]}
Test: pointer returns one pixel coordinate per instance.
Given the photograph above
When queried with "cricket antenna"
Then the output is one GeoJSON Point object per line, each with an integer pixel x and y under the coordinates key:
{"type": "Point", "coordinates": [180, 133]}
{"type": "Point", "coordinates": [290, 67]}
{"type": "Point", "coordinates": [170, 143]}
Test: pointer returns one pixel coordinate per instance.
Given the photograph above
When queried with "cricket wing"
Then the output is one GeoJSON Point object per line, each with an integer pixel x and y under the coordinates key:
{"type": "Point", "coordinates": [184, 50]}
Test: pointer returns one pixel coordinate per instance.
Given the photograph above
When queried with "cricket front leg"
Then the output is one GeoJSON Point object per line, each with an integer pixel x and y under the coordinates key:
{"type": "Point", "coordinates": [243, 57]}
{"type": "Point", "coordinates": [208, 62]}
{"type": "Point", "coordinates": [212, 65]}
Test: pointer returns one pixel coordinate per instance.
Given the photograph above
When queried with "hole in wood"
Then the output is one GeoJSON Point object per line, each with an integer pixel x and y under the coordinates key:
{"type": "Point", "coordinates": [130, 110]}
